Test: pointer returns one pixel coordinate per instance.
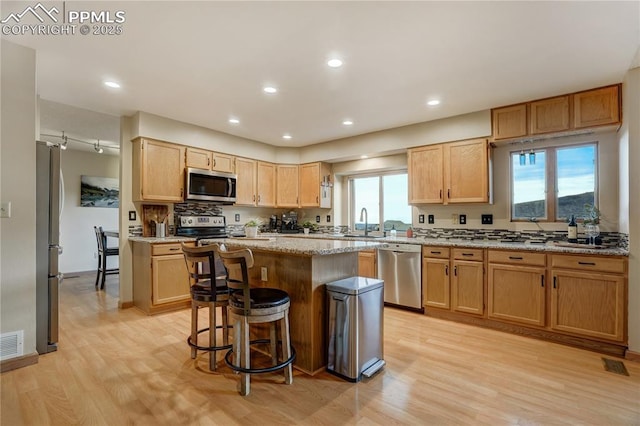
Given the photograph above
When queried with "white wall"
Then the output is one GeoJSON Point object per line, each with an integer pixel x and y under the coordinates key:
{"type": "Point", "coordinates": [76, 223]}
{"type": "Point", "coordinates": [18, 186]}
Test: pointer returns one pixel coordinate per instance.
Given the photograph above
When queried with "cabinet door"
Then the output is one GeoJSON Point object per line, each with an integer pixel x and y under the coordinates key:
{"type": "Point", "coordinates": [466, 168]}
{"type": "Point", "coordinates": [266, 184]}
{"type": "Point", "coordinates": [549, 115]}
{"type": "Point", "coordinates": [169, 279]}
{"type": "Point", "coordinates": [516, 294]}
{"type": "Point", "coordinates": [161, 171]}
{"type": "Point", "coordinates": [509, 122]}
{"type": "Point", "coordinates": [467, 287]}
{"type": "Point", "coordinates": [596, 107]}
{"type": "Point", "coordinates": [287, 181]}
{"type": "Point", "coordinates": [310, 185]}
{"type": "Point", "coordinates": [426, 176]}
{"type": "Point", "coordinates": [246, 190]}
{"type": "Point", "coordinates": [223, 162]}
{"type": "Point", "coordinates": [588, 304]}
{"type": "Point", "coordinates": [199, 158]}
{"type": "Point", "coordinates": [435, 282]}
{"type": "Point", "coordinates": [367, 264]}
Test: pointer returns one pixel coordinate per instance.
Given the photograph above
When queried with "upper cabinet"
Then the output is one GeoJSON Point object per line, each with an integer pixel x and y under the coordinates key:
{"type": "Point", "coordinates": [591, 108]}
{"type": "Point", "coordinates": [246, 183]}
{"type": "Point", "coordinates": [597, 107]}
{"type": "Point", "coordinates": [456, 172]}
{"type": "Point", "coordinates": [266, 184]}
{"type": "Point", "coordinates": [158, 171]}
{"type": "Point", "coordinates": [287, 185]}
{"type": "Point", "coordinates": [315, 185]}
{"type": "Point", "coordinates": [208, 160]}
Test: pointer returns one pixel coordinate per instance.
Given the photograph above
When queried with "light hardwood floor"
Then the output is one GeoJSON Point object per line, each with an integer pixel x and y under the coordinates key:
{"type": "Point", "coordinates": [122, 368]}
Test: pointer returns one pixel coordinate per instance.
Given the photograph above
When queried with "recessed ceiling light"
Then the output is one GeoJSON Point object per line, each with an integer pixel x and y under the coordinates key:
{"type": "Point", "coordinates": [112, 84]}
{"type": "Point", "coordinates": [364, 156]}
{"type": "Point", "coordinates": [335, 63]}
{"type": "Point", "coordinates": [433, 102]}
{"type": "Point", "coordinates": [270, 89]}
{"type": "Point", "coordinates": [234, 121]}
{"type": "Point", "coordinates": [347, 122]}
{"type": "Point", "coordinates": [286, 136]}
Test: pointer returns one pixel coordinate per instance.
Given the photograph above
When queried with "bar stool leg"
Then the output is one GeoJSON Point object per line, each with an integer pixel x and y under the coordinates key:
{"type": "Point", "coordinates": [286, 347]}
{"type": "Point", "coordinates": [237, 341]}
{"type": "Point", "coordinates": [245, 358]}
{"type": "Point", "coordinates": [212, 336]}
{"type": "Point", "coordinates": [273, 343]}
{"type": "Point", "coordinates": [225, 326]}
{"type": "Point", "coordinates": [194, 328]}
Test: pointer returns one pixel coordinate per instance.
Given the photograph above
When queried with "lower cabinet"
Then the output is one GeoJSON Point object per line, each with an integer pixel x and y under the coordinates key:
{"type": "Point", "coordinates": [160, 280]}
{"type": "Point", "coordinates": [467, 283]}
{"type": "Point", "coordinates": [516, 294]}
{"type": "Point", "coordinates": [435, 277]}
{"type": "Point", "coordinates": [367, 264]}
{"type": "Point", "coordinates": [590, 299]}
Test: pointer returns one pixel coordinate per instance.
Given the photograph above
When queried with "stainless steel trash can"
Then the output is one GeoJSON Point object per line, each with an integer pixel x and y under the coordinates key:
{"type": "Point", "coordinates": [355, 327]}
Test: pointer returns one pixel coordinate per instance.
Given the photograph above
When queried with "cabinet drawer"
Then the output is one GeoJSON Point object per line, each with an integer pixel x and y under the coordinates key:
{"type": "Point", "coordinates": [589, 263]}
{"type": "Point", "coordinates": [468, 254]}
{"type": "Point", "coordinates": [517, 257]}
{"type": "Point", "coordinates": [167, 248]}
{"type": "Point", "coordinates": [438, 252]}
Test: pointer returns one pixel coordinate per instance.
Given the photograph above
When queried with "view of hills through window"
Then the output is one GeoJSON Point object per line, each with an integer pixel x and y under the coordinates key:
{"type": "Point", "coordinates": [575, 185]}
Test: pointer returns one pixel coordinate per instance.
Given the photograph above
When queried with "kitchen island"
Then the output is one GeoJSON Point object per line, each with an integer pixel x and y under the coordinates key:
{"type": "Point", "coordinates": [302, 267]}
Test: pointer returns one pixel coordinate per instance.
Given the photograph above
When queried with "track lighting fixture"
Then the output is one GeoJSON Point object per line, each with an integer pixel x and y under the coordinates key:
{"type": "Point", "coordinates": [97, 147]}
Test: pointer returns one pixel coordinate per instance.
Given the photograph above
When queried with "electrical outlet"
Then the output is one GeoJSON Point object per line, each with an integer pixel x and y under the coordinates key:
{"type": "Point", "coordinates": [463, 219]}
{"type": "Point", "coordinates": [237, 217]}
{"type": "Point", "coordinates": [487, 219]}
{"type": "Point", "coordinates": [431, 219]}
{"type": "Point", "coordinates": [420, 218]}
{"type": "Point", "coordinates": [328, 218]}
{"type": "Point", "coordinates": [5, 209]}
{"type": "Point", "coordinates": [263, 273]}
{"type": "Point", "coordinates": [317, 219]}
{"type": "Point", "coordinates": [454, 219]}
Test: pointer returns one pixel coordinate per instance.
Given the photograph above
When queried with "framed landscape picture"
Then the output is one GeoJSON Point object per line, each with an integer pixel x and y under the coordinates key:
{"type": "Point", "coordinates": [99, 192]}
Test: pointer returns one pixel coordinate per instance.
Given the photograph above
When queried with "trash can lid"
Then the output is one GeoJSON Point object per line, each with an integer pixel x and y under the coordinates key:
{"type": "Point", "coordinates": [354, 285]}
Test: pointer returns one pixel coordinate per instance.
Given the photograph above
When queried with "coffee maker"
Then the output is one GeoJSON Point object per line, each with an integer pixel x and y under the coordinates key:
{"type": "Point", "coordinates": [289, 223]}
{"type": "Point", "coordinates": [273, 223]}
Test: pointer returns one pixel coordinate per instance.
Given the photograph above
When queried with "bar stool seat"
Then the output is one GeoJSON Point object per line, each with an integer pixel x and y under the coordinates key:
{"type": "Point", "coordinates": [255, 306]}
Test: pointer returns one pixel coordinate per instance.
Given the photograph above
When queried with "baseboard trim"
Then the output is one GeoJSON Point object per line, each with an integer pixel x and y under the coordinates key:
{"type": "Point", "coordinates": [125, 305]}
{"type": "Point", "coordinates": [632, 356]}
{"type": "Point", "coordinates": [18, 362]}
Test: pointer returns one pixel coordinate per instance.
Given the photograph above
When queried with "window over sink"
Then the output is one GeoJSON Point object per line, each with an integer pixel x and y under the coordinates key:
{"type": "Point", "coordinates": [551, 184]}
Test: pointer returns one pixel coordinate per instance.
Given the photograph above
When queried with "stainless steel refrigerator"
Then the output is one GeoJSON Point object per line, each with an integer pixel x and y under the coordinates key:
{"type": "Point", "coordinates": [48, 277]}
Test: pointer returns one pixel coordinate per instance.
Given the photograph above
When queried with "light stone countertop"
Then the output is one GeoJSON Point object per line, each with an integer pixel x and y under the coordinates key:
{"type": "Point", "coordinates": [337, 243]}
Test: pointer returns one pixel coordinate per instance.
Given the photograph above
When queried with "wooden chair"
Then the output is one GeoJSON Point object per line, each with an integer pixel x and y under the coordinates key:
{"type": "Point", "coordinates": [103, 253]}
{"type": "Point", "coordinates": [201, 267]}
{"type": "Point", "coordinates": [253, 306]}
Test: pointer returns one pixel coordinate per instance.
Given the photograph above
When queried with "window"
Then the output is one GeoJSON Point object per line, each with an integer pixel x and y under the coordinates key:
{"type": "Point", "coordinates": [551, 184]}
{"type": "Point", "coordinates": [385, 197]}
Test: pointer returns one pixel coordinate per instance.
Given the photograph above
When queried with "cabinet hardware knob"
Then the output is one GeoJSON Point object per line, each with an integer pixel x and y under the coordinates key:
{"type": "Point", "coordinates": [467, 254]}
{"type": "Point", "coordinates": [174, 249]}
{"type": "Point", "coordinates": [435, 252]}
{"type": "Point", "coordinates": [455, 271]}
{"type": "Point", "coordinates": [587, 263]}
{"type": "Point", "coordinates": [515, 257]}
{"type": "Point", "coordinates": [441, 194]}
{"type": "Point", "coordinates": [446, 270]}
{"type": "Point", "coordinates": [554, 282]}
{"type": "Point", "coordinates": [541, 280]}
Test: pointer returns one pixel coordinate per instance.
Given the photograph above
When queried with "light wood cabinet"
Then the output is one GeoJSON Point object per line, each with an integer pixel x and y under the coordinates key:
{"type": "Point", "coordinates": [368, 264]}
{"type": "Point", "coordinates": [588, 296]}
{"type": "Point", "coordinates": [549, 115]}
{"type": "Point", "coordinates": [597, 107]}
{"type": "Point", "coordinates": [246, 183]}
{"type": "Point", "coordinates": [426, 174]}
{"type": "Point", "coordinates": [467, 283]}
{"type": "Point", "coordinates": [158, 171]}
{"type": "Point", "coordinates": [314, 185]}
{"type": "Point", "coordinates": [266, 184]}
{"type": "Point", "coordinates": [456, 172]}
{"type": "Point", "coordinates": [208, 160]}
{"type": "Point", "coordinates": [509, 122]}
{"type": "Point", "coordinates": [435, 278]}
{"type": "Point", "coordinates": [516, 291]}
{"type": "Point", "coordinates": [287, 181]}
{"type": "Point", "coordinates": [160, 280]}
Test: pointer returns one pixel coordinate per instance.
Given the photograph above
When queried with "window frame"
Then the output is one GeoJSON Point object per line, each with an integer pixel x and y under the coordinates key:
{"type": "Point", "coordinates": [352, 195]}
{"type": "Point", "coordinates": [551, 177]}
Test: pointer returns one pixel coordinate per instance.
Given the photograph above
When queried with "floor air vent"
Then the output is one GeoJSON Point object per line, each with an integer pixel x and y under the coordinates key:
{"type": "Point", "coordinates": [11, 344]}
{"type": "Point", "coordinates": [615, 366]}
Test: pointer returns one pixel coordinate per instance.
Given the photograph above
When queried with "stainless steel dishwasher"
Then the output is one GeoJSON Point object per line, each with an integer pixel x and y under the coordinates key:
{"type": "Point", "coordinates": [400, 266]}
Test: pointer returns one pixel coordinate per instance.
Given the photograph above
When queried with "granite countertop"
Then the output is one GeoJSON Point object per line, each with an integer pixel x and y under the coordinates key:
{"type": "Point", "coordinates": [154, 240]}
{"type": "Point", "coordinates": [549, 246]}
{"type": "Point", "coordinates": [309, 247]}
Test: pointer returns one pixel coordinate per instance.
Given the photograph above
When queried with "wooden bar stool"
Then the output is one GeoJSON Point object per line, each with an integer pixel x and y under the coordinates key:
{"type": "Point", "coordinates": [254, 306]}
{"type": "Point", "coordinates": [201, 267]}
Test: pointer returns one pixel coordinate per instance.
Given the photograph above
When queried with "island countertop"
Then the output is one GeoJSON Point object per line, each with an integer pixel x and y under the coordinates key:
{"type": "Point", "coordinates": [300, 246]}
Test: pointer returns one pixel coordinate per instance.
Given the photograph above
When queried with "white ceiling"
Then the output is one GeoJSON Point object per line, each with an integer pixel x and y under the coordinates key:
{"type": "Point", "coordinates": [204, 62]}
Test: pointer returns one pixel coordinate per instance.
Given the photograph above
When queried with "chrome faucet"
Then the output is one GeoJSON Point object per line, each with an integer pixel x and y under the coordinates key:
{"type": "Point", "coordinates": [365, 215]}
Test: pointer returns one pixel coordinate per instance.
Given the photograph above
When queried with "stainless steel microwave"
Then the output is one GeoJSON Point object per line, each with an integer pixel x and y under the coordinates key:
{"type": "Point", "coordinates": [205, 185]}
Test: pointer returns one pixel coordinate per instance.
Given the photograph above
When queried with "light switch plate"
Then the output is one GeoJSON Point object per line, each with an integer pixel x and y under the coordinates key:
{"type": "Point", "coordinates": [5, 209]}
{"type": "Point", "coordinates": [431, 219]}
{"type": "Point", "coordinates": [487, 219]}
{"type": "Point", "coordinates": [420, 218]}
